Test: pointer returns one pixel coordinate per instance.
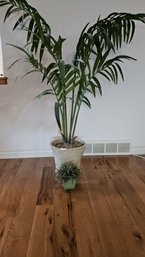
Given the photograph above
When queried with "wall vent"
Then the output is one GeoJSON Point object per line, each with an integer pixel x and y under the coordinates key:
{"type": "Point", "coordinates": [107, 148]}
{"type": "Point", "coordinates": [111, 147]}
{"type": "Point", "coordinates": [98, 148]}
{"type": "Point", "coordinates": [88, 148]}
{"type": "Point", "coordinates": [123, 147]}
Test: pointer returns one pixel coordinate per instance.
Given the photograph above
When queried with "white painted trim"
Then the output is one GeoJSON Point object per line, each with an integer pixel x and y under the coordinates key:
{"type": "Point", "coordinates": [139, 156]}
{"type": "Point", "coordinates": [105, 154]}
{"type": "Point", "coordinates": [48, 153]}
{"type": "Point", "coordinates": [1, 58]}
{"type": "Point", "coordinates": [37, 154]}
{"type": "Point", "coordinates": [136, 149]}
{"type": "Point", "coordinates": [25, 154]}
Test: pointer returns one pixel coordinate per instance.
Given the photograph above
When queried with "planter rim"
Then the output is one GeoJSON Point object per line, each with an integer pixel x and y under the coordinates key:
{"type": "Point", "coordinates": [68, 149]}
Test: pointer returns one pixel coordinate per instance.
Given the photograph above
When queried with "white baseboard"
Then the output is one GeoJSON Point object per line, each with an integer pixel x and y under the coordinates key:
{"type": "Point", "coordinates": [25, 154]}
{"type": "Point", "coordinates": [138, 149]}
{"type": "Point", "coordinates": [48, 153]}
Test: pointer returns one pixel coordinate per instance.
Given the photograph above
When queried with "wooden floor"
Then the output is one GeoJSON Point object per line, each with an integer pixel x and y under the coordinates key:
{"type": "Point", "coordinates": [103, 217]}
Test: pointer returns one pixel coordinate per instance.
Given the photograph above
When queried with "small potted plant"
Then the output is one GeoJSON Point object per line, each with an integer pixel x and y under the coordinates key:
{"type": "Point", "coordinates": [67, 174]}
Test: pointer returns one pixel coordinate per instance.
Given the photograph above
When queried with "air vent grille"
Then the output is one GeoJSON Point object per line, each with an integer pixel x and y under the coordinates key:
{"type": "Point", "coordinates": [88, 148]}
{"type": "Point", "coordinates": [106, 148]}
{"type": "Point", "coordinates": [111, 148]}
{"type": "Point", "coordinates": [98, 148]}
{"type": "Point", "coordinates": [123, 147]}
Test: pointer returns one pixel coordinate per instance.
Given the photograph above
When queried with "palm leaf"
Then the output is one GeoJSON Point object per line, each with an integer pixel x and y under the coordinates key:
{"type": "Point", "coordinates": [98, 85]}
{"type": "Point", "coordinates": [113, 30]}
{"type": "Point", "coordinates": [47, 70]}
{"type": "Point", "coordinates": [46, 92]}
{"type": "Point", "coordinates": [57, 115]}
{"type": "Point", "coordinates": [30, 29]}
{"type": "Point", "coordinates": [8, 13]}
{"type": "Point", "coordinates": [19, 21]}
{"type": "Point", "coordinates": [3, 3]}
{"type": "Point", "coordinates": [16, 61]}
{"type": "Point", "coordinates": [86, 101]}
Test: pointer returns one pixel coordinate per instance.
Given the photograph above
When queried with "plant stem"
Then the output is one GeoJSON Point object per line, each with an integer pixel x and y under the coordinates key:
{"type": "Point", "coordinates": [71, 115]}
{"type": "Point", "coordinates": [75, 122]}
{"type": "Point", "coordinates": [65, 120]}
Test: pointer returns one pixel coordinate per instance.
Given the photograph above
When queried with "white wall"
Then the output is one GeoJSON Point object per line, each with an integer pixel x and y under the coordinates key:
{"type": "Point", "coordinates": [1, 58]}
{"type": "Point", "coordinates": [27, 126]}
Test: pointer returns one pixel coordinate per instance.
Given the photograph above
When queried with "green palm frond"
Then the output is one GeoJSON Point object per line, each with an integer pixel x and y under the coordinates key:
{"type": "Point", "coordinates": [108, 34]}
{"type": "Point", "coordinates": [95, 57]}
{"type": "Point", "coordinates": [38, 31]}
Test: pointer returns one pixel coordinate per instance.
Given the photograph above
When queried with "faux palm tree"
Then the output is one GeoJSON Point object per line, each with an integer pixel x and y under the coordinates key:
{"type": "Point", "coordinates": [95, 57]}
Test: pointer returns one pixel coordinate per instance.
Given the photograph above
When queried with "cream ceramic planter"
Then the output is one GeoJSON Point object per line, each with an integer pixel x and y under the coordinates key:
{"type": "Point", "coordinates": [62, 155]}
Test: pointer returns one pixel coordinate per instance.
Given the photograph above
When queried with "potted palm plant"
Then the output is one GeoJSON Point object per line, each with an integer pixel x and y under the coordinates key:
{"type": "Point", "coordinates": [67, 174]}
{"type": "Point", "coordinates": [71, 83]}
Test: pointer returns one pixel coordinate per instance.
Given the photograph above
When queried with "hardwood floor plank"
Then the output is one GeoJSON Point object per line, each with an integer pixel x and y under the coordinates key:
{"type": "Point", "coordinates": [133, 234]}
{"type": "Point", "coordinates": [134, 240]}
{"type": "Point", "coordinates": [96, 194]}
{"type": "Point", "coordinates": [108, 230]}
{"type": "Point", "coordinates": [115, 200]}
{"type": "Point", "coordinates": [12, 186]}
{"type": "Point", "coordinates": [87, 237]}
{"type": "Point", "coordinates": [103, 217]}
{"type": "Point", "coordinates": [5, 224]}
{"type": "Point", "coordinates": [64, 239]}
{"type": "Point", "coordinates": [19, 233]}
{"type": "Point", "coordinates": [9, 168]}
{"type": "Point", "coordinates": [118, 206]}
{"type": "Point", "coordinates": [132, 177]}
{"type": "Point", "coordinates": [137, 166]}
{"type": "Point", "coordinates": [3, 162]}
{"type": "Point", "coordinates": [45, 195]}
{"type": "Point", "coordinates": [8, 205]}
{"type": "Point", "coordinates": [132, 199]}
{"type": "Point", "coordinates": [41, 239]}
